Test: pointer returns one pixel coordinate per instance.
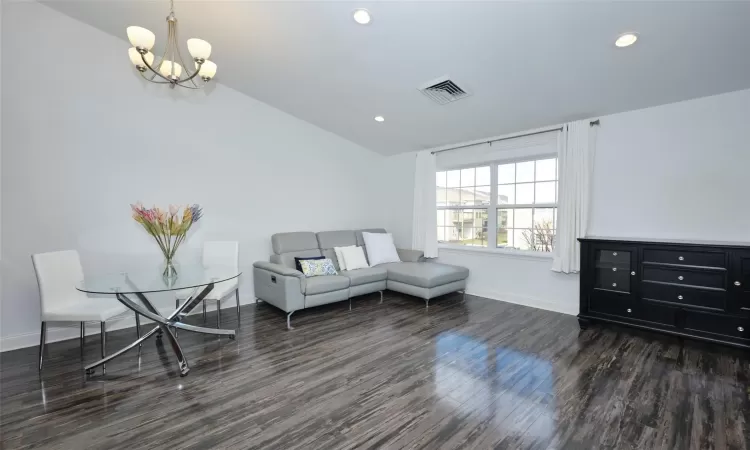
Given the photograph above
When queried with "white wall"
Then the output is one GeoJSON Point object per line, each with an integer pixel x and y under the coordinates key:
{"type": "Point", "coordinates": [675, 171]}
{"type": "Point", "coordinates": [87, 137]}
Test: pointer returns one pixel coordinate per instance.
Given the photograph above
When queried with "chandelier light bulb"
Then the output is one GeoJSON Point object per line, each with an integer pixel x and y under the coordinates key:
{"type": "Point", "coordinates": [199, 48]}
{"type": "Point", "coordinates": [166, 69]}
{"type": "Point", "coordinates": [141, 37]}
{"type": "Point", "coordinates": [207, 70]}
{"type": "Point", "coordinates": [135, 57]}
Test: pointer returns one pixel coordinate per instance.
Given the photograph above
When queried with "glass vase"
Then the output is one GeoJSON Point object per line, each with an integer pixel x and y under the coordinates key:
{"type": "Point", "coordinates": [170, 271]}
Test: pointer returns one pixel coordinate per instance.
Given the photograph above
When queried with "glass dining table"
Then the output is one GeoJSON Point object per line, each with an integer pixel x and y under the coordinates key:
{"type": "Point", "coordinates": [130, 289]}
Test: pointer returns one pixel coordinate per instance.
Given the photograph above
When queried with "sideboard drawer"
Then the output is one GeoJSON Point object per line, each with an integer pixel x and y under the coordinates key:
{"type": "Point", "coordinates": [610, 304]}
{"type": "Point", "coordinates": [684, 295]}
{"type": "Point", "coordinates": [683, 276]}
{"type": "Point", "coordinates": [685, 258]}
{"type": "Point", "coordinates": [738, 327]}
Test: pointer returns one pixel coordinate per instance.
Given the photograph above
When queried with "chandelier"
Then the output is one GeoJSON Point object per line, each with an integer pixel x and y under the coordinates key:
{"type": "Point", "coordinates": [169, 70]}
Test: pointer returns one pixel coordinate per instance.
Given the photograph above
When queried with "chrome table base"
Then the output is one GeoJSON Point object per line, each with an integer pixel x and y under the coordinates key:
{"type": "Point", "coordinates": [163, 326]}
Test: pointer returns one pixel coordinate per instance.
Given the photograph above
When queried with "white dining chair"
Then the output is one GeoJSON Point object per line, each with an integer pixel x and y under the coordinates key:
{"type": "Point", "coordinates": [223, 254]}
{"type": "Point", "coordinates": [57, 274]}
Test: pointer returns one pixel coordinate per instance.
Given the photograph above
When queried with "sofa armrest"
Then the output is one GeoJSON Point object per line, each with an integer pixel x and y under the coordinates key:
{"type": "Point", "coordinates": [410, 255]}
{"type": "Point", "coordinates": [280, 286]}
{"type": "Point", "coordinates": [278, 269]}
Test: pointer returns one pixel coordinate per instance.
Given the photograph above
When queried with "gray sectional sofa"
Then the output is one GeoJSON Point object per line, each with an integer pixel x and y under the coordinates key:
{"type": "Point", "coordinates": [278, 282]}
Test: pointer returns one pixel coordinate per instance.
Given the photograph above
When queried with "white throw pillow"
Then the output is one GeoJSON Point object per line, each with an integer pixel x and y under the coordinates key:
{"type": "Point", "coordinates": [340, 257]}
{"type": "Point", "coordinates": [380, 248]}
{"type": "Point", "coordinates": [354, 258]}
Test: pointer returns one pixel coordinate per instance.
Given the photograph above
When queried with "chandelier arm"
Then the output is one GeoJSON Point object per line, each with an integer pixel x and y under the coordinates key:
{"type": "Point", "coordinates": [172, 39]}
{"type": "Point", "coordinates": [145, 77]}
{"type": "Point", "coordinates": [143, 57]}
{"type": "Point", "coordinates": [191, 77]}
{"type": "Point", "coordinates": [184, 66]}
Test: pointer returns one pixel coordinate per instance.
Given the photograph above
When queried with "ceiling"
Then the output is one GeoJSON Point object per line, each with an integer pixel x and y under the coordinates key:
{"type": "Point", "coordinates": [527, 64]}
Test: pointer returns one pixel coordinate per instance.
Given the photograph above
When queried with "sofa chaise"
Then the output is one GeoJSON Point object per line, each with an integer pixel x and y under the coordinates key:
{"type": "Point", "coordinates": [279, 283]}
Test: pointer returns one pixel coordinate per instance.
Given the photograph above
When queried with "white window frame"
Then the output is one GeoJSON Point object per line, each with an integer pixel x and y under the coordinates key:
{"type": "Point", "coordinates": [493, 207]}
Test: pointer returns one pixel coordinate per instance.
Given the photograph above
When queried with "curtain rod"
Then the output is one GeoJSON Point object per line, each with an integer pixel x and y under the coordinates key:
{"type": "Point", "coordinates": [592, 123]}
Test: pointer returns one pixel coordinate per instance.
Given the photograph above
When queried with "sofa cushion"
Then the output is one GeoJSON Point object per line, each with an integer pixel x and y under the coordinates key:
{"type": "Point", "coordinates": [330, 239]}
{"type": "Point", "coordinates": [287, 259]}
{"type": "Point", "coordinates": [361, 239]}
{"type": "Point", "coordinates": [364, 276]}
{"type": "Point", "coordinates": [425, 274]}
{"type": "Point", "coordinates": [294, 242]}
{"type": "Point", "coordinates": [328, 283]}
{"type": "Point", "coordinates": [297, 259]}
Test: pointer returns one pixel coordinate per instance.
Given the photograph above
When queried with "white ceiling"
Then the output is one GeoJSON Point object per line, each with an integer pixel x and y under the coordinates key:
{"type": "Point", "coordinates": [527, 64]}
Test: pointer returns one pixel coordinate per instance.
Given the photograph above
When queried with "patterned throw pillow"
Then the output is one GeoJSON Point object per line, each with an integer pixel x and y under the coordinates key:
{"type": "Point", "coordinates": [317, 267]}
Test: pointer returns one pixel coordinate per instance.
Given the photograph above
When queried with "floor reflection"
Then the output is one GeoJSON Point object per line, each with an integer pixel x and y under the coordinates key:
{"type": "Point", "coordinates": [508, 388]}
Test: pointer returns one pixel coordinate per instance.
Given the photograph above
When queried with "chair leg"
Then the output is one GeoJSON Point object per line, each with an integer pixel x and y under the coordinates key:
{"type": "Point", "coordinates": [218, 314]}
{"type": "Point", "coordinates": [138, 331]}
{"type": "Point", "coordinates": [42, 342]}
{"type": "Point", "coordinates": [104, 345]}
{"type": "Point", "coordinates": [237, 297]}
{"type": "Point", "coordinates": [83, 335]}
{"type": "Point", "coordinates": [204, 310]}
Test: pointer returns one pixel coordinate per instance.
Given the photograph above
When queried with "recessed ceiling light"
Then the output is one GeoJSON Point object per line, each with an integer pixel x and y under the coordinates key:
{"type": "Point", "coordinates": [626, 40]}
{"type": "Point", "coordinates": [362, 16]}
{"type": "Point", "coordinates": [379, 119]}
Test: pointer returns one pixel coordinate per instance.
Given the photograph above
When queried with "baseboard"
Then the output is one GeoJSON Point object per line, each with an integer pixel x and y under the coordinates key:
{"type": "Point", "coordinates": [71, 330]}
{"type": "Point", "coordinates": [527, 301]}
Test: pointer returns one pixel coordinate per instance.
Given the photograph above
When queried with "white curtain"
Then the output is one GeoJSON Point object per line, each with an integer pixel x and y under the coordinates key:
{"type": "Point", "coordinates": [424, 221]}
{"type": "Point", "coordinates": [576, 148]}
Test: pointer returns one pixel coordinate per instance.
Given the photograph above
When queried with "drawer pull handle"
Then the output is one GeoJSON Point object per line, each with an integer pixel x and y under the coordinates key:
{"type": "Point", "coordinates": [614, 253]}
{"type": "Point", "coordinates": [679, 297]}
{"type": "Point", "coordinates": [737, 283]}
{"type": "Point", "coordinates": [680, 278]}
{"type": "Point", "coordinates": [681, 258]}
{"type": "Point", "coordinates": [614, 269]}
{"type": "Point", "coordinates": [630, 311]}
{"type": "Point", "coordinates": [740, 329]}
{"type": "Point", "coordinates": [614, 284]}
{"type": "Point", "coordinates": [632, 273]}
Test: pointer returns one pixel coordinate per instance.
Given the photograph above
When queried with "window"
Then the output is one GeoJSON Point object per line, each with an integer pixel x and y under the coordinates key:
{"type": "Point", "coordinates": [463, 197]}
{"type": "Point", "coordinates": [518, 200]}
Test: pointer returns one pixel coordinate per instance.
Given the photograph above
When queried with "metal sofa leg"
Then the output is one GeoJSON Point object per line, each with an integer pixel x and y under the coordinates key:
{"type": "Point", "coordinates": [289, 321]}
{"type": "Point", "coordinates": [237, 297]}
{"type": "Point", "coordinates": [83, 335]}
{"type": "Point", "coordinates": [42, 342]}
{"type": "Point", "coordinates": [204, 310]}
{"type": "Point", "coordinates": [138, 331]}
{"type": "Point", "coordinates": [350, 304]}
{"type": "Point", "coordinates": [218, 314]}
{"type": "Point", "coordinates": [381, 296]}
{"type": "Point", "coordinates": [104, 346]}
{"type": "Point", "coordinates": [427, 303]}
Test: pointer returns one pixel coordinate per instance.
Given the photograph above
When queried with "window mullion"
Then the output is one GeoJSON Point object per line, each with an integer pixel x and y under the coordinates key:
{"type": "Point", "coordinates": [492, 209]}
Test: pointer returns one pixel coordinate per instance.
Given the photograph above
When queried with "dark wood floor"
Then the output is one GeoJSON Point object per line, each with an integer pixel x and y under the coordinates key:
{"type": "Point", "coordinates": [476, 374]}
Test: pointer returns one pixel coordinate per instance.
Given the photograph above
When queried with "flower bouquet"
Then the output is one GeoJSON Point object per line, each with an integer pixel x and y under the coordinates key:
{"type": "Point", "coordinates": [168, 228]}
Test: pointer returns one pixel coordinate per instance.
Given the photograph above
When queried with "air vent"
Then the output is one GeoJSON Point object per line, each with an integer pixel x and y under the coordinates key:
{"type": "Point", "coordinates": [443, 90]}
